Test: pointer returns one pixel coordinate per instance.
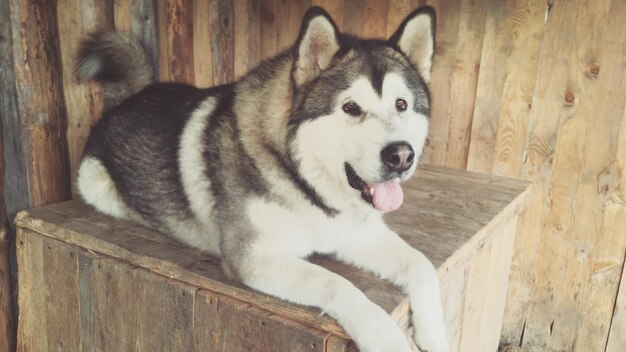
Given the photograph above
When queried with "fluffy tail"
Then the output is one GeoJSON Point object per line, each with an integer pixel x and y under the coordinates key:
{"type": "Point", "coordinates": [116, 61]}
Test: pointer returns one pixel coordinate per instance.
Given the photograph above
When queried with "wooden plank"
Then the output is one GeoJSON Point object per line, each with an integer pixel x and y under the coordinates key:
{"type": "Point", "coordinates": [500, 28]}
{"type": "Point", "coordinates": [10, 126]}
{"type": "Point", "coordinates": [335, 344]}
{"type": "Point", "coordinates": [463, 79]}
{"type": "Point", "coordinates": [517, 95]}
{"type": "Point", "coordinates": [570, 251]}
{"type": "Point", "coordinates": [230, 325]}
{"type": "Point", "coordinates": [7, 319]}
{"type": "Point", "coordinates": [453, 290]}
{"type": "Point", "coordinates": [31, 331]}
{"type": "Point", "coordinates": [222, 42]}
{"type": "Point", "coordinates": [7, 314]}
{"type": "Point", "coordinates": [60, 282]}
{"type": "Point", "coordinates": [122, 15]}
{"type": "Point", "coordinates": [84, 102]}
{"type": "Point", "coordinates": [291, 19]}
{"type": "Point", "coordinates": [544, 121]}
{"type": "Point", "coordinates": [353, 16]}
{"type": "Point", "coordinates": [162, 321]}
{"type": "Point", "coordinates": [179, 29]}
{"type": "Point", "coordinates": [202, 39]}
{"type": "Point", "coordinates": [334, 9]}
{"type": "Point", "coordinates": [446, 40]}
{"type": "Point", "coordinates": [617, 338]}
{"type": "Point", "coordinates": [143, 26]}
{"type": "Point", "coordinates": [453, 81]}
{"type": "Point", "coordinates": [374, 19]}
{"type": "Point", "coordinates": [42, 112]}
{"type": "Point", "coordinates": [614, 222]}
{"type": "Point", "coordinates": [605, 230]}
{"type": "Point", "coordinates": [397, 10]}
{"type": "Point", "coordinates": [270, 18]}
{"type": "Point", "coordinates": [486, 291]}
{"type": "Point", "coordinates": [247, 37]}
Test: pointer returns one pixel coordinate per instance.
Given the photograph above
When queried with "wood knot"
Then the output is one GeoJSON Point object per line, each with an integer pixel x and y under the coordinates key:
{"type": "Point", "coordinates": [593, 70]}
{"type": "Point", "coordinates": [570, 98]}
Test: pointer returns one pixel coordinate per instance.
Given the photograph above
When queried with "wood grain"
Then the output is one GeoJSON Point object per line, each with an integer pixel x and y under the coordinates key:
{"type": "Point", "coordinates": [583, 147]}
{"type": "Point", "coordinates": [614, 222]}
{"type": "Point", "coordinates": [61, 314]}
{"type": "Point", "coordinates": [617, 338]}
{"type": "Point", "coordinates": [496, 47]}
{"type": "Point", "coordinates": [222, 49]}
{"type": "Point", "coordinates": [40, 103]}
{"type": "Point", "coordinates": [143, 26]}
{"type": "Point", "coordinates": [596, 219]}
{"type": "Point", "coordinates": [8, 191]}
{"type": "Point", "coordinates": [247, 35]}
{"type": "Point", "coordinates": [202, 35]}
{"type": "Point", "coordinates": [175, 28]}
{"type": "Point", "coordinates": [519, 83]}
{"type": "Point", "coordinates": [544, 122]}
{"type": "Point", "coordinates": [84, 102]}
{"type": "Point", "coordinates": [256, 329]}
{"type": "Point", "coordinates": [31, 331]}
{"type": "Point", "coordinates": [374, 25]}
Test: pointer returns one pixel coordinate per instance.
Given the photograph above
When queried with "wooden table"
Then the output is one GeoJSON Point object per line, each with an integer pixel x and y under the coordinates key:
{"type": "Point", "coordinates": [91, 283]}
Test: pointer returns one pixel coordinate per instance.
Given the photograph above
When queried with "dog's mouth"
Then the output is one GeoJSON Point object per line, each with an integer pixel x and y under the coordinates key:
{"type": "Point", "coordinates": [385, 196]}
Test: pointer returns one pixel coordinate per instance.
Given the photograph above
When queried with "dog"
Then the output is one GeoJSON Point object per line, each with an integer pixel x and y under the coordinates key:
{"type": "Point", "coordinates": [302, 155]}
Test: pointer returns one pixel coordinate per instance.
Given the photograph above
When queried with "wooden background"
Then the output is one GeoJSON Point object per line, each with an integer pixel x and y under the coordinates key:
{"type": "Point", "coordinates": [530, 89]}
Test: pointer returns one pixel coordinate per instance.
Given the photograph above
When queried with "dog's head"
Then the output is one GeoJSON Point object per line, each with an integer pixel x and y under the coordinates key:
{"type": "Point", "coordinates": [360, 108]}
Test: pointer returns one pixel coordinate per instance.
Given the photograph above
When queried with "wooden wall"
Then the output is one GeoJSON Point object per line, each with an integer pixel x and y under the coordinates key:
{"type": "Point", "coordinates": [532, 89]}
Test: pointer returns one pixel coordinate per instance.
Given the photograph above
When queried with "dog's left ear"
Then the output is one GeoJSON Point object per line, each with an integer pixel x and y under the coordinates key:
{"type": "Point", "coordinates": [416, 39]}
{"type": "Point", "coordinates": [317, 43]}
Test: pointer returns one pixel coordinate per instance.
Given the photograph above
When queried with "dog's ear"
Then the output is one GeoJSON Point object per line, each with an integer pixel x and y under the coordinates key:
{"type": "Point", "coordinates": [317, 43]}
{"type": "Point", "coordinates": [416, 39]}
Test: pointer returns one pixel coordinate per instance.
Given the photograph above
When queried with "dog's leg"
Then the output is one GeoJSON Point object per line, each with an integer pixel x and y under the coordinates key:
{"type": "Point", "coordinates": [296, 280]}
{"type": "Point", "coordinates": [384, 253]}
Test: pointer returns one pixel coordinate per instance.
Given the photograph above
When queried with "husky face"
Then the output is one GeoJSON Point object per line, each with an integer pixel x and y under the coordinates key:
{"type": "Point", "coordinates": [360, 125]}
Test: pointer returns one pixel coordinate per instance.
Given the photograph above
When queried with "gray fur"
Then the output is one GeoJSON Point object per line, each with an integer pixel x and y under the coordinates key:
{"type": "Point", "coordinates": [115, 60]}
{"type": "Point", "coordinates": [215, 167]}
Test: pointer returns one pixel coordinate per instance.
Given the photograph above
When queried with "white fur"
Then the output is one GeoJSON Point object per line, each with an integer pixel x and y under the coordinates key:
{"type": "Point", "coordinates": [358, 235]}
{"type": "Point", "coordinates": [417, 42]}
{"type": "Point", "coordinates": [97, 188]}
{"type": "Point", "coordinates": [286, 237]}
{"type": "Point", "coordinates": [358, 140]}
{"type": "Point", "coordinates": [197, 187]}
{"type": "Point", "coordinates": [316, 49]}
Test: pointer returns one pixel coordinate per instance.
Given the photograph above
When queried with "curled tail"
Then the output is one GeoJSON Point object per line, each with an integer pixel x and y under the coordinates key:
{"type": "Point", "coordinates": [116, 61]}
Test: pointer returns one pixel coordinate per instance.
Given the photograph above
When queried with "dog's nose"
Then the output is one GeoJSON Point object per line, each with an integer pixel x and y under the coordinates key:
{"type": "Point", "coordinates": [398, 156]}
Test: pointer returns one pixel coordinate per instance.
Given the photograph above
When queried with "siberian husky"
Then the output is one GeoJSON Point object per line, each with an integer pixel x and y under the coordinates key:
{"type": "Point", "coordinates": [302, 155]}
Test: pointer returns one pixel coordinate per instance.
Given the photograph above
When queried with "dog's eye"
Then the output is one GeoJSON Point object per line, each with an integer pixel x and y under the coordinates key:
{"type": "Point", "coordinates": [351, 108]}
{"type": "Point", "coordinates": [401, 105]}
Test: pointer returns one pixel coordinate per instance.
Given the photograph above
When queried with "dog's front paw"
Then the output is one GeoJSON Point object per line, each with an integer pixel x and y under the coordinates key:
{"type": "Point", "coordinates": [373, 330]}
{"type": "Point", "coordinates": [430, 336]}
{"type": "Point", "coordinates": [382, 339]}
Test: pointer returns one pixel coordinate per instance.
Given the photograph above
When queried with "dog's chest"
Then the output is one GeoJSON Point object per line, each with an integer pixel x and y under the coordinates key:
{"type": "Point", "coordinates": [303, 232]}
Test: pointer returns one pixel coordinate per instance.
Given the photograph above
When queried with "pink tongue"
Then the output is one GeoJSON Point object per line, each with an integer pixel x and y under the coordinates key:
{"type": "Point", "coordinates": [388, 196]}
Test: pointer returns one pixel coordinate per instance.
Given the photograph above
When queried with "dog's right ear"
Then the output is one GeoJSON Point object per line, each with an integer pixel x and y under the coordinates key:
{"type": "Point", "coordinates": [317, 43]}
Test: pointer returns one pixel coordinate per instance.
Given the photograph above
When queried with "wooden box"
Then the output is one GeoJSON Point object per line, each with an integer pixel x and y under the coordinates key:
{"type": "Point", "coordinates": [90, 283]}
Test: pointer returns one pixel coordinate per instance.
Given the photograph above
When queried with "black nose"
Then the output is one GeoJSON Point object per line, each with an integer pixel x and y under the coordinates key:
{"type": "Point", "coordinates": [398, 156]}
